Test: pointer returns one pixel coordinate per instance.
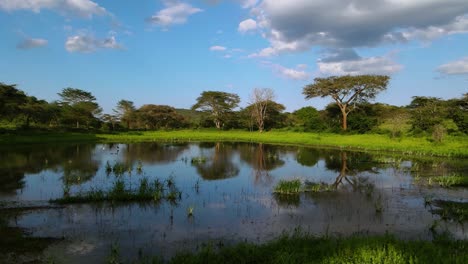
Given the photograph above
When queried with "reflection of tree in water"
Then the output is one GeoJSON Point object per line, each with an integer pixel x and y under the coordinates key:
{"type": "Point", "coordinates": [349, 166]}
{"type": "Point", "coordinates": [79, 166]}
{"type": "Point", "coordinates": [219, 163]}
{"type": "Point", "coordinates": [308, 156]}
{"type": "Point", "coordinates": [153, 153]}
{"type": "Point", "coordinates": [11, 180]}
{"type": "Point", "coordinates": [75, 161]}
{"type": "Point", "coordinates": [263, 159]}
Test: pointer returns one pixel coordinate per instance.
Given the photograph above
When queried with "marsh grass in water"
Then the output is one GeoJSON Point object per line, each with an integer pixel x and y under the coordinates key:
{"type": "Point", "coordinates": [450, 181]}
{"type": "Point", "coordinates": [198, 160]}
{"type": "Point", "coordinates": [288, 187]}
{"type": "Point", "coordinates": [451, 210]}
{"type": "Point", "coordinates": [119, 192]}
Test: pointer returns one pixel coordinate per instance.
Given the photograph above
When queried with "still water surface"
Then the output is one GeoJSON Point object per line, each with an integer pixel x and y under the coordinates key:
{"type": "Point", "coordinates": [231, 193]}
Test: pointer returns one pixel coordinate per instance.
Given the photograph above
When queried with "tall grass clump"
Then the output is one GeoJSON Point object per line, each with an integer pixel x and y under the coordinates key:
{"type": "Point", "coordinates": [288, 187]}
{"type": "Point", "coordinates": [120, 192]}
{"type": "Point", "coordinates": [451, 181]}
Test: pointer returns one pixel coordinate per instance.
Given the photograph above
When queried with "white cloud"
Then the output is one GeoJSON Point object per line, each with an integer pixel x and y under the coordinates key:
{"type": "Point", "coordinates": [248, 3]}
{"type": "Point", "coordinates": [298, 25]}
{"type": "Point", "coordinates": [174, 13]}
{"type": "Point", "coordinates": [372, 65]}
{"type": "Point", "coordinates": [217, 48]}
{"type": "Point", "coordinates": [81, 8]}
{"type": "Point", "coordinates": [30, 43]}
{"type": "Point", "coordinates": [227, 56]}
{"type": "Point", "coordinates": [458, 67]}
{"type": "Point", "coordinates": [247, 25]}
{"type": "Point", "coordinates": [294, 74]}
{"type": "Point", "coordinates": [86, 43]}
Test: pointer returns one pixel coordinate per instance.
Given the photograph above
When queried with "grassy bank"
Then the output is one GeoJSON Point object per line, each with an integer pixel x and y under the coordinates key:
{"type": "Point", "coordinates": [452, 146]}
{"type": "Point", "coordinates": [306, 249]}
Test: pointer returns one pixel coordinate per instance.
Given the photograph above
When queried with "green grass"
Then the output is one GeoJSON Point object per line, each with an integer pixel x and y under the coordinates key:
{"type": "Point", "coordinates": [450, 210]}
{"type": "Point", "coordinates": [451, 181]}
{"type": "Point", "coordinates": [452, 146]}
{"type": "Point", "coordinates": [287, 187]}
{"type": "Point", "coordinates": [155, 191]}
{"type": "Point", "coordinates": [308, 249]}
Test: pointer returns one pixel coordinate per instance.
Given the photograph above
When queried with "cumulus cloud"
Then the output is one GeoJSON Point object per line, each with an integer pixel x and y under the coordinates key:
{"type": "Point", "coordinates": [175, 13]}
{"type": "Point", "coordinates": [458, 67]}
{"type": "Point", "coordinates": [81, 8]}
{"type": "Point", "coordinates": [297, 25]}
{"type": "Point", "coordinates": [217, 48]}
{"type": "Point", "coordinates": [298, 73]}
{"type": "Point", "coordinates": [247, 25]}
{"type": "Point", "coordinates": [86, 43]}
{"type": "Point", "coordinates": [348, 62]}
{"type": "Point", "coordinates": [31, 43]}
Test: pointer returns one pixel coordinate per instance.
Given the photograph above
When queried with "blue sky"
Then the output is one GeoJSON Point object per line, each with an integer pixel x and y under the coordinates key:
{"type": "Point", "coordinates": [169, 51]}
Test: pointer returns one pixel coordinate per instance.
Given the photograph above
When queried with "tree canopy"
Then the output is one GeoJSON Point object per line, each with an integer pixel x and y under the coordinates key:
{"type": "Point", "coordinates": [347, 90]}
{"type": "Point", "coordinates": [219, 104]}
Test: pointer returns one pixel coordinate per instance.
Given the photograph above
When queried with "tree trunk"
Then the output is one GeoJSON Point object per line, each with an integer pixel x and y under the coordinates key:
{"type": "Point", "coordinates": [77, 124]}
{"type": "Point", "coordinates": [218, 124]}
{"type": "Point", "coordinates": [344, 120]}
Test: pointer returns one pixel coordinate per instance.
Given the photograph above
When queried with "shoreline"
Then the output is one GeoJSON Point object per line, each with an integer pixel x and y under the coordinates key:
{"type": "Point", "coordinates": [412, 146]}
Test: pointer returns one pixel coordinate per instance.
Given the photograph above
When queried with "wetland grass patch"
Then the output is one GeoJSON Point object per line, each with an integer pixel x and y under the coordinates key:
{"type": "Point", "coordinates": [120, 192]}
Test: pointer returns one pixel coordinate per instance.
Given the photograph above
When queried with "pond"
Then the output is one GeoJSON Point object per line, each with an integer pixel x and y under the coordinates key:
{"type": "Point", "coordinates": [225, 194]}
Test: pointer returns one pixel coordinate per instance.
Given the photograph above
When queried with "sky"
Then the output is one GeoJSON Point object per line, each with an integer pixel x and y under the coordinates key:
{"type": "Point", "coordinates": [169, 51]}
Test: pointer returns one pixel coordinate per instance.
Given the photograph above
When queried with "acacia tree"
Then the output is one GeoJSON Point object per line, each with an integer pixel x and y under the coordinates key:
{"type": "Point", "coordinates": [347, 90]}
{"type": "Point", "coordinates": [219, 104]}
{"type": "Point", "coordinates": [79, 105]}
{"type": "Point", "coordinates": [260, 100]}
{"type": "Point", "coordinates": [125, 112]}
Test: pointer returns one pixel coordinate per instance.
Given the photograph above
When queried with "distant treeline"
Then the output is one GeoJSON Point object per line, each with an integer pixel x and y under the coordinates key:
{"type": "Point", "coordinates": [78, 110]}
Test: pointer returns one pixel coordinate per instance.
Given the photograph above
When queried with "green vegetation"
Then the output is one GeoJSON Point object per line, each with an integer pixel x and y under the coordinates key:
{"type": "Point", "coordinates": [198, 160]}
{"type": "Point", "coordinates": [296, 187]}
{"type": "Point", "coordinates": [288, 187]}
{"type": "Point", "coordinates": [452, 146]}
{"type": "Point", "coordinates": [451, 181]}
{"type": "Point", "coordinates": [308, 249]}
{"type": "Point", "coordinates": [347, 90]}
{"type": "Point", "coordinates": [318, 187]}
{"type": "Point", "coordinates": [450, 210]}
{"type": "Point", "coordinates": [119, 192]}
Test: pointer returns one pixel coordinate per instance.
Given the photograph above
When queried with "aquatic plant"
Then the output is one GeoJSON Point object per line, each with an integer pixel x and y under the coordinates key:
{"type": "Point", "coordinates": [318, 187]}
{"type": "Point", "coordinates": [451, 210]}
{"type": "Point", "coordinates": [120, 192]}
{"type": "Point", "coordinates": [139, 167]}
{"type": "Point", "coordinates": [108, 168]}
{"type": "Point", "coordinates": [451, 181]}
{"type": "Point", "coordinates": [288, 187]}
{"type": "Point", "coordinates": [198, 160]}
{"type": "Point", "coordinates": [190, 211]}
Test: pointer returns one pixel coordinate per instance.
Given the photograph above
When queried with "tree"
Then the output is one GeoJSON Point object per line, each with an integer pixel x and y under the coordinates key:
{"type": "Point", "coordinates": [459, 112]}
{"type": "Point", "coordinates": [79, 105]}
{"type": "Point", "coordinates": [36, 110]}
{"type": "Point", "coordinates": [159, 116]}
{"type": "Point", "coordinates": [125, 111]}
{"type": "Point", "coordinates": [11, 99]}
{"type": "Point", "coordinates": [219, 104]}
{"type": "Point", "coordinates": [426, 112]}
{"type": "Point", "coordinates": [260, 100]}
{"type": "Point", "coordinates": [347, 90]}
{"type": "Point", "coordinates": [308, 118]}
{"type": "Point", "coordinates": [272, 117]}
